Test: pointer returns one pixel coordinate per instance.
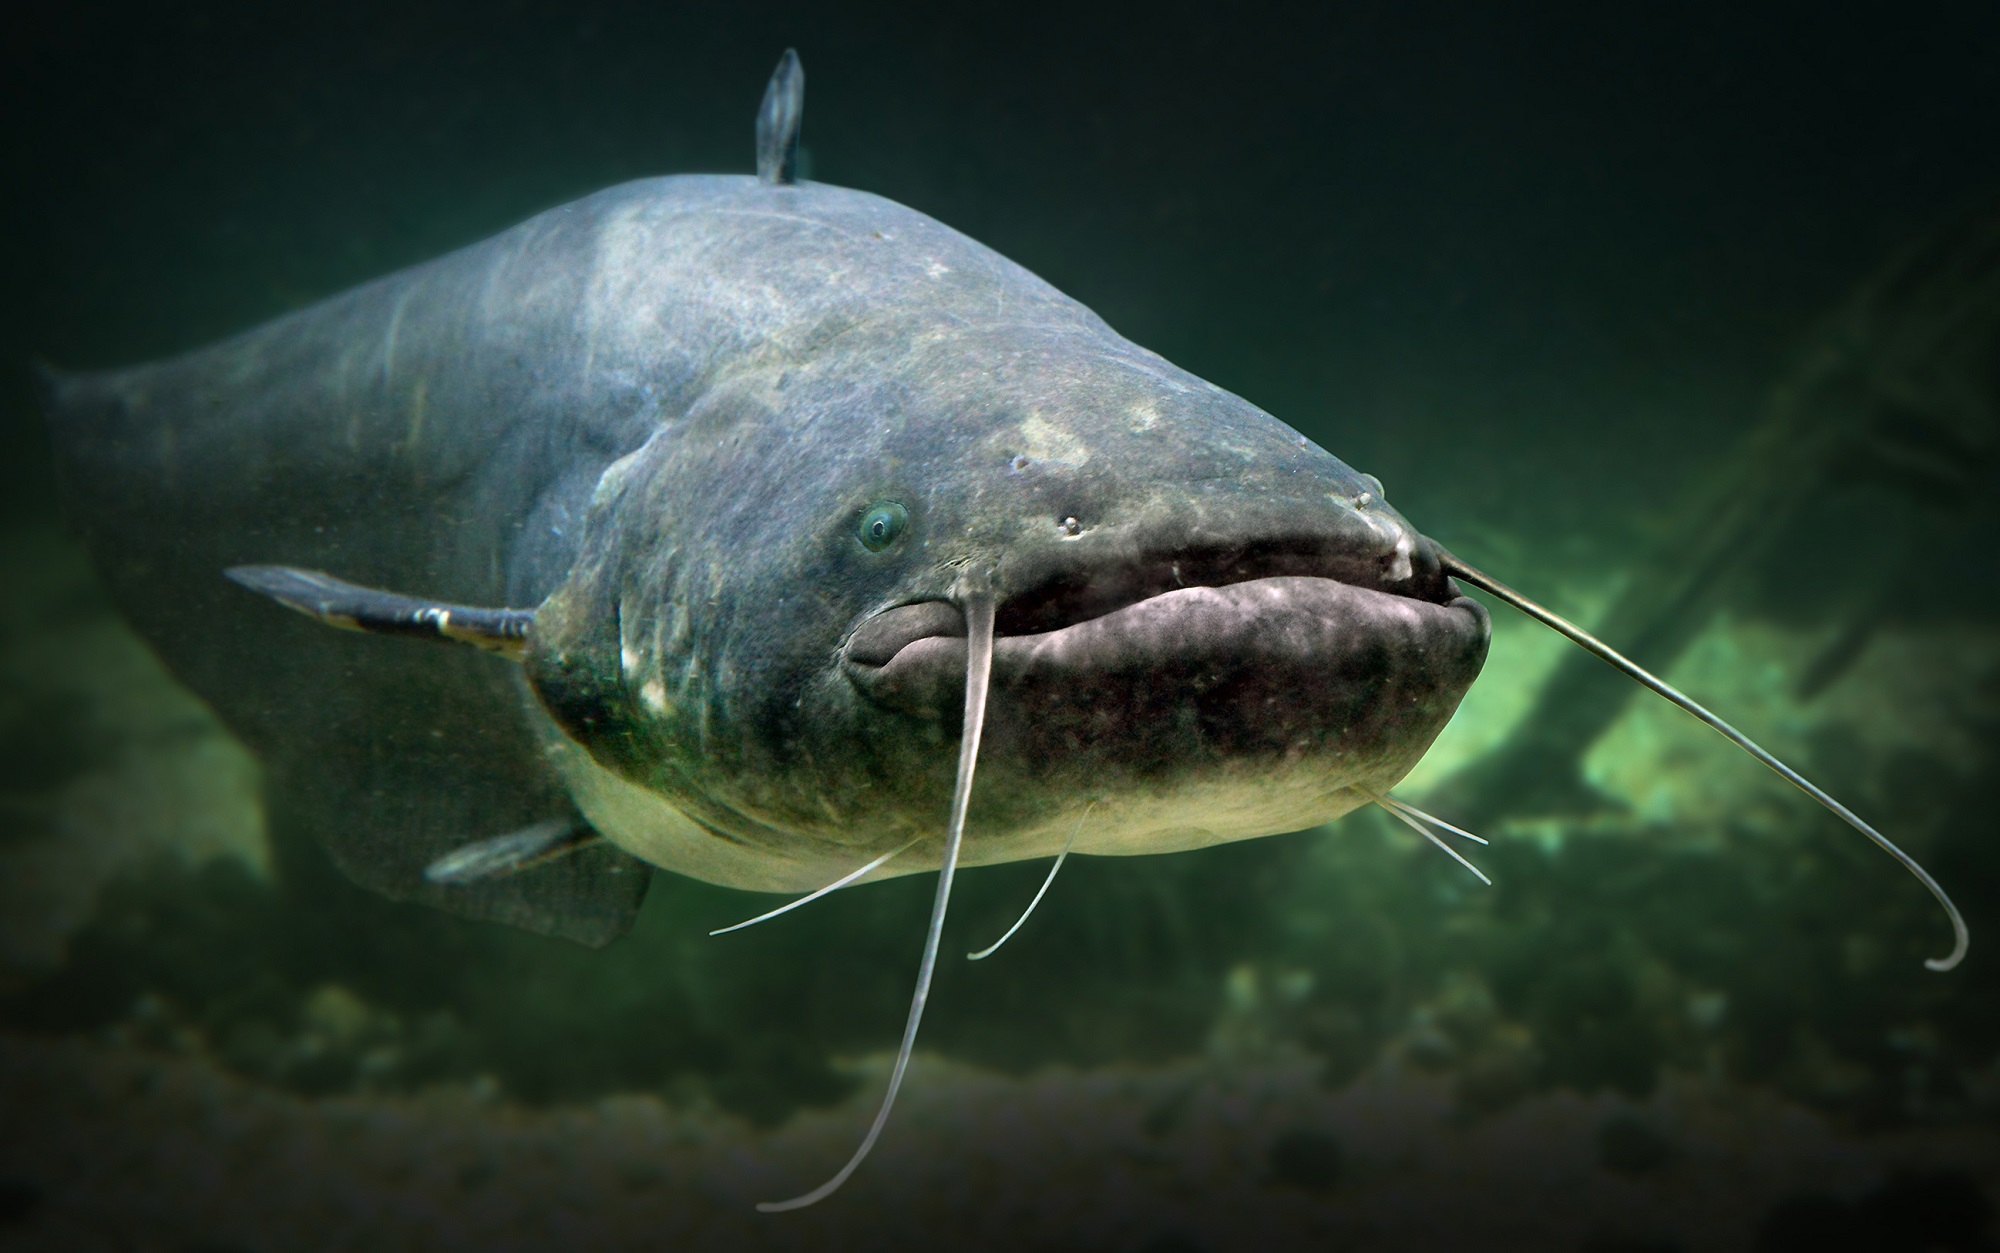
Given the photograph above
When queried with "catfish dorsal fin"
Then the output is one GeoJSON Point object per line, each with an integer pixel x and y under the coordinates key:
{"type": "Point", "coordinates": [778, 122]}
{"type": "Point", "coordinates": [1961, 938]}
{"type": "Point", "coordinates": [352, 607]}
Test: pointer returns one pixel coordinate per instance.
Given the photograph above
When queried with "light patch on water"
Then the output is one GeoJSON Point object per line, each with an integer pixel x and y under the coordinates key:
{"type": "Point", "coordinates": [1669, 769]}
{"type": "Point", "coordinates": [653, 693]}
{"type": "Point", "coordinates": [1919, 690]}
{"type": "Point", "coordinates": [151, 771]}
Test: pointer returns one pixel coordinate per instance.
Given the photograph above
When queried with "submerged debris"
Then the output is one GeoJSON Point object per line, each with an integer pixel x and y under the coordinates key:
{"type": "Point", "coordinates": [1877, 454]}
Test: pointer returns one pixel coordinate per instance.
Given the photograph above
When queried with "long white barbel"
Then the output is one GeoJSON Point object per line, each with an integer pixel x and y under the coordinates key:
{"type": "Point", "coordinates": [1961, 938]}
{"type": "Point", "coordinates": [978, 605]}
{"type": "Point", "coordinates": [1433, 819]}
{"type": "Point", "coordinates": [1395, 809]}
{"type": "Point", "coordinates": [812, 896]}
{"type": "Point", "coordinates": [1068, 844]}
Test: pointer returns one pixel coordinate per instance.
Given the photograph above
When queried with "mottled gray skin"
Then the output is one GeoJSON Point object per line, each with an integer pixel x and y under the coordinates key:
{"type": "Point", "coordinates": [658, 413]}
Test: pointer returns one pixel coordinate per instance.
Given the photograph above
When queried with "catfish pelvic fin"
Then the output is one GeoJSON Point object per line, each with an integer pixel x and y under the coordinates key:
{"type": "Point", "coordinates": [514, 852]}
{"type": "Point", "coordinates": [778, 120]}
{"type": "Point", "coordinates": [352, 607]}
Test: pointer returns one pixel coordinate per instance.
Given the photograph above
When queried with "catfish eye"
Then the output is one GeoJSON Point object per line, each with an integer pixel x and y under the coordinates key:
{"type": "Point", "coordinates": [880, 526]}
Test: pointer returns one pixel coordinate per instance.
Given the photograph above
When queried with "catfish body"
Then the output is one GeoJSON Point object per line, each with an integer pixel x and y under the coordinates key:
{"type": "Point", "coordinates": [659, 416]}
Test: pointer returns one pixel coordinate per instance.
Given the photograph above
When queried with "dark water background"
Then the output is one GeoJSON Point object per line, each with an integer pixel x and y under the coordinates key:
{"type": "Point", "coordinates": [1536, 268]}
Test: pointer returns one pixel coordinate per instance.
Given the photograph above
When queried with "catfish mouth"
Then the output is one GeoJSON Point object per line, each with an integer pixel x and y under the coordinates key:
{"type": "Point", "coordinates": [1079, 595]}
{"type": "Point", "coordinates": [1224, 606]}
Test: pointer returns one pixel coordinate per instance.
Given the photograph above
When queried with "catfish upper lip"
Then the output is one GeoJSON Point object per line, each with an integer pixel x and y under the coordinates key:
{"type": "Point", "coordinates": [1282, 635]}
{"type": "Point", "coordinates": [877, 641]}
{"type": "Point", "coordinates": [1080, 592]}
{"type": "Point", "coordinates": [1081, 595]}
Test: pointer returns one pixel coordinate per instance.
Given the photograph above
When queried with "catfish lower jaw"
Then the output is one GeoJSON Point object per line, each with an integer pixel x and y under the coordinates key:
{"type": "Point", "coordinates": [1275, 669]}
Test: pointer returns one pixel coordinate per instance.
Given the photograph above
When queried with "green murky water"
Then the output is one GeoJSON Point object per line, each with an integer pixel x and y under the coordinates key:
{"type": "Point", "coordinates": [1541, 275]}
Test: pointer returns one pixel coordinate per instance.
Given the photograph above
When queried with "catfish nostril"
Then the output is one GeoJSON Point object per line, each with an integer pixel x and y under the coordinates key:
{"type": "Point", "coordinates": [1020, 462]}
{"type": "Point", "coordinates": [1070, 527]}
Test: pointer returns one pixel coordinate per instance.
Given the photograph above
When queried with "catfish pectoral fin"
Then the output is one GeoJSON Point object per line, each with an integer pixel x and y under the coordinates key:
{"type": "Point", "coordinates": [352, 607]}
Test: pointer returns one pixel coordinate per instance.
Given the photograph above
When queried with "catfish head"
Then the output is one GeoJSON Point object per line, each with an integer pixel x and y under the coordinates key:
{"type": "Point", "coordinates": [1206, 627]}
